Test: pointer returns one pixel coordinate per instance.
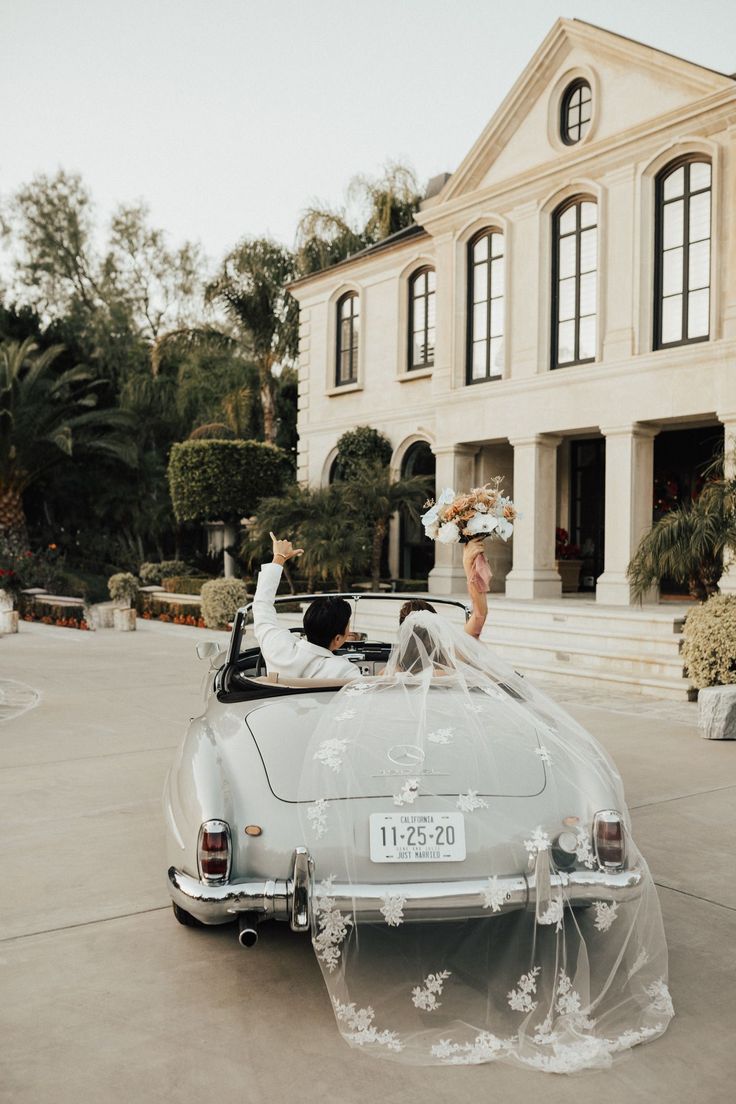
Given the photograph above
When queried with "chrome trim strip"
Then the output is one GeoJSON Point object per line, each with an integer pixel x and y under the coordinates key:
{"type": "Point", "coordinates": [424, 900]}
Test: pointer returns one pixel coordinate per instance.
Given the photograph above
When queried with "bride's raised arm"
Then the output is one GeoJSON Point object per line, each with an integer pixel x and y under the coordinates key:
{"type": "Point", "coordinates": [477, 574]}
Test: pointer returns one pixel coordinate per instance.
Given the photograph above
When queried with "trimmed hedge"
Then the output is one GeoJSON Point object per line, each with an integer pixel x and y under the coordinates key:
{"type": "Point", "coordinates": [210, 480]}
{"type": "Point", "coordinates": [709, 642]}
{"type": "Point", "coordinates": [123, 587]}
{"type": "Point", "coordinates": [221, 600]}
{"type": "Point", "coordinates": [184, 584]}
{"type": "Point", "coordinates": [153, 574]}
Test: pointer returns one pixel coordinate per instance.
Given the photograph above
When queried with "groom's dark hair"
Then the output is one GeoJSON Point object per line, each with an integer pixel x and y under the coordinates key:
{"type": "Point", "coordinates": [326, 618]}
{"type": "Point", "coordinates": [411, 606]}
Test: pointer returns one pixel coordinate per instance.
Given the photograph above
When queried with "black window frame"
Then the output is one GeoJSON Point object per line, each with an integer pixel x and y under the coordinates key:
{"type": "Point", "coordinates": [575, 201]}
{"type": "Point", "coordinates": [354, 298]}
{"type": "Point", "coordinates": [575, 86]}
{"type": "Point", "coordinates": [486, 232]}
{"type": "Point", "coordinates": [411, 283]}
{"type": "Point", "coordinates": [659, 206]}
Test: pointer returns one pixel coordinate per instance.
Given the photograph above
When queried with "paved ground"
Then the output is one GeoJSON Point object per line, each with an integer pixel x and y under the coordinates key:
{"type": "Point", "coordinates": [106, 998]}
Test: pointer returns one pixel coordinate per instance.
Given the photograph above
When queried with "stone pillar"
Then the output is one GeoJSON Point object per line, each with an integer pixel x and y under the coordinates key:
{"type": "Point", "coordinates": [727, 581]}
{"type": "Point", "coordinates": [456, 469]}
{"type": "Point", "coordinates": [629, 504]}
{"type": "Point", "coordinates": [534, 574]}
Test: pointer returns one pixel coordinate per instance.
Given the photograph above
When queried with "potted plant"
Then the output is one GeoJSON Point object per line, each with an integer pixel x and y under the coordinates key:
{"type": "Point", "coordinates": [123, 588]}
{"type": "Point", "coordinates": [568, 561]}
{"type": "Point", "coordinates": [709, 654]}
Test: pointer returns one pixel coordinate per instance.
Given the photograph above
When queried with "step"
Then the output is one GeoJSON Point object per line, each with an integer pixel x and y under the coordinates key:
{"type": "Point", "coordinates": [598, 639]}
{"type": "Point", "coordinates": [672, 689]}
{"type": "Point", "coordinates": [632, 664]}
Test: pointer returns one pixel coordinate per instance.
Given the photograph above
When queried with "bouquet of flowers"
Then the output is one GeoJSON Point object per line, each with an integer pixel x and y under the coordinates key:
{"type": "Point", "coordinates": [473, 516]}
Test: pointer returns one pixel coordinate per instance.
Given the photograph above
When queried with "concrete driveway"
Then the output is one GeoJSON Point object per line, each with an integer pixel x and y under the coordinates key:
{"type": "Point", "coordinates": [106, 998]}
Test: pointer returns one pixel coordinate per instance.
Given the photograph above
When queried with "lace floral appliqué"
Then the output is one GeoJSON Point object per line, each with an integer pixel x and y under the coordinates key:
{"type": "Point", "coordinates": [426, 998]}
{"type": "Point", "coordinates": [493, 895]}
{"type": "Point", "coordinates": [331, 924]}
{"type": "Point", "coordinates": [331, 752]}
{"type": "Point", "coordinates": [554, 913]}
{"type": "Point", "coordinates": [520, 998]}
{"type": "Point", "coordinates": [583, 851]}
{"type": "Point", "coordinates": [543, 754]}
{"type": "Point", "coordinates": [484, 1048]}
{"type": "Point", "coordinates": [539, 841]}
{"type": "Point", "coordinates": [408, 793]}
{"type": "Point", "coordinates": [361, 1029]}
{"type": "Point", "coordinates": [605, 914]}
{"type": "Point", "coordinates": [660, 997]}
{"type": "Point", "coordinates": [441, 736]}
{"type": "Point", "coordinates": [469, 801]}
{"type": "Point", "coordinates": [393, 909]}
{"type": "Point", "coordinates": [317, 817]}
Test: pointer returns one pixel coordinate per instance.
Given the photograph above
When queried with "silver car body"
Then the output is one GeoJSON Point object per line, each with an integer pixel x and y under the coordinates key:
{"type": "Point", "coordinates": [241, 763]}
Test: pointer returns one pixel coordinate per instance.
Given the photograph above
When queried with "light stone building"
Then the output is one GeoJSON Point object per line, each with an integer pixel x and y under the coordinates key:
{"type": "Point", "coordinates": [563, 314]}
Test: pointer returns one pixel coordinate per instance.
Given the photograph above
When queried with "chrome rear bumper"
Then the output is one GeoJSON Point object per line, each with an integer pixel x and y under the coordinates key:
{"type": "Point", "coordinates": [291, 898]}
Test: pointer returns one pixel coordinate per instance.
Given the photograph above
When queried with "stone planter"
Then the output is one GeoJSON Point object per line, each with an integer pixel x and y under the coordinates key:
{"type": "Point", "coordinates": [6, 601]}
{"type": "Point", "coordinates": [717, 712]}
{"type": "Point", "coordinates": [8, 621]}
{"type": "Point", "coordinates": [569, 572]}
{"type": "Point", "coordinates": [123, 620]}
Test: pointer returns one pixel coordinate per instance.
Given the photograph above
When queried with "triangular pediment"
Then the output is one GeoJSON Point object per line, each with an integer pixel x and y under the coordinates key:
{"type": "Point", "coordinates": [634, 84]}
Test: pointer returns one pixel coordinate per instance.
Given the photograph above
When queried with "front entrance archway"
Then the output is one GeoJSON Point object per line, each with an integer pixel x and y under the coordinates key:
{"type": "Point", "coordinates": [416, 553]}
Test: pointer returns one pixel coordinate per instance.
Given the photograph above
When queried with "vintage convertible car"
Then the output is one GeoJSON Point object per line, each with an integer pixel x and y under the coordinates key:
{"type": "Point", "coordinates": [235, 846]}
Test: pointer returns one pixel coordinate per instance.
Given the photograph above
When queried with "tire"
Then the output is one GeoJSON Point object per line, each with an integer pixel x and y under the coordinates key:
{"type": "Point", "coordinates": [186, 918]}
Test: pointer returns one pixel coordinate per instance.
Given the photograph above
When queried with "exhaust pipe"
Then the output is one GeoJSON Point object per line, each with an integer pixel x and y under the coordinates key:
{"type": "Point", "coordinates": [248, 929]}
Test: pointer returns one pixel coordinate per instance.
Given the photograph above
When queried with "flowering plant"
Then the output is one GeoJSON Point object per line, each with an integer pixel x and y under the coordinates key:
{"type": "Point", "coordinates": [477, 514]}
{"type": "Point", "coordinates": [10, 580]}
{"type": "Point", "coordinates": [563, 549]}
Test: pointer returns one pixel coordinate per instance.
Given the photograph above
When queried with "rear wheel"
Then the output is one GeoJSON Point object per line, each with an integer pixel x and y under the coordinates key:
{"type": "Point", "coordinates": [186, 918]}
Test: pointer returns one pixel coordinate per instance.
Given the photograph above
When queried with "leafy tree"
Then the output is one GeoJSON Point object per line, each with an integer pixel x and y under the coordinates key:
{"type": "Point", "coordinates": [375, 208]}
{"type": "Point", "coordinates": [688, 542]}
{"type": "Point", "coordinates": [46, 416]}
{"type": "Point", "coordinates": [360, 448]}
{"type": "Point", "coordinates": [250, 287]}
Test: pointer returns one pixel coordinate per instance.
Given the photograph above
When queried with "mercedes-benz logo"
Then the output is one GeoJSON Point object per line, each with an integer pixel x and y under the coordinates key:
{"type": "Point", "coordinates": [406, 755]}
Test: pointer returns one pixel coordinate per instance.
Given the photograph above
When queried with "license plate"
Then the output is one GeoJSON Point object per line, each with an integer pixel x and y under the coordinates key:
{"type": "Point", "coordinates": [417, 837]}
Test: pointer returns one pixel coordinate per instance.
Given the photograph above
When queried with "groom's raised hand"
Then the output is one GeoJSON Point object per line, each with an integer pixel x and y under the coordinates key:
{"type": "Point", "coordinates": [283, 550]}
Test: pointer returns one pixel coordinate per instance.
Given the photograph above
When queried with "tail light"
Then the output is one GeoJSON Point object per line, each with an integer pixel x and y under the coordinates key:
{"type": "Point", "coordinates": [609, 839]}
{"type": "Point", "coordinates": [214, 851]}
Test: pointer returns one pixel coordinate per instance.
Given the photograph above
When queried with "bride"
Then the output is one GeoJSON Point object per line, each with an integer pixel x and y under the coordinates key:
{"type": "Point", "coordinates": [552, 986]}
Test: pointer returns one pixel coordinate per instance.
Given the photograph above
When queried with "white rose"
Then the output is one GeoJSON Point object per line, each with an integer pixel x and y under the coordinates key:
{"type": "Point", "coordinates": [432, 530]}
{"type": "Point", "coordinates": [448, 534]}
{"type": "Point", "coordinates": [505, 528]}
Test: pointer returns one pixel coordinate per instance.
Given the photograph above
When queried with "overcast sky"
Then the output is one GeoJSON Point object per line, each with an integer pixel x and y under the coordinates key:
{"type": "Point", "coordinates": [228, 116]}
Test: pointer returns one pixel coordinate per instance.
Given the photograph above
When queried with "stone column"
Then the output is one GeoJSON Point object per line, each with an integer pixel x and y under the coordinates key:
{"type": "Point", "coordinates": [456, 469]}
{"type": "Point", "coordinates": [534, 574]}
{"type": "Point", "coordinates": [727, 581]}
{"type": "Point", "coordinates": [629, 504]}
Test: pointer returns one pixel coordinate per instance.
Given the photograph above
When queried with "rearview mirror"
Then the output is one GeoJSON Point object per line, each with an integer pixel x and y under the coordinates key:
{"type": "Point", "coordinates": [209, 649]}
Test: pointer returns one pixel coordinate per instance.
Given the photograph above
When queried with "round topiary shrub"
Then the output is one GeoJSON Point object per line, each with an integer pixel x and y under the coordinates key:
{"type": "Point", "coordinates": [123, 588]}
{"type": "Point", "coordinates": [361, 448]}
{"type": "Point", "coordinates": [153, 574]}
{"type": "Point", "coordinates": [221, 600]}
{"type": "Point", "coordinates": [709, 642]}
{"type": "Point", "coordinates": [225, 480]}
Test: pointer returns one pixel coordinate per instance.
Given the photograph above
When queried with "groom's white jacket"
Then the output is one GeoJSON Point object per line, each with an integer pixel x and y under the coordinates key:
{"type": "Point", "coordinates": [285, 654]}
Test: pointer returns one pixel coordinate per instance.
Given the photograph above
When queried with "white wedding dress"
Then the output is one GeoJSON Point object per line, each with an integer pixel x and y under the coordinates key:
{"type": "Point", "coordinates": [550, 987]}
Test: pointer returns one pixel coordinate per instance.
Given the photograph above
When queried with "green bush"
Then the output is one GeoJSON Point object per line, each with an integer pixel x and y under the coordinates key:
{"type": "Point", "coordinates": [221, 599]}
{"type": "Point", "coordinates": [184, 584]}
{"type": "Point", "coordinates": [709, 642]}
{"type": "Point", "coordinates": [123, 587]}
{"type": "Point", "coordinates": [211, 480]}
{"type": "Point", "coordinates": [361, 448]}
{"type": "Point", "coordinates": [153, 574]}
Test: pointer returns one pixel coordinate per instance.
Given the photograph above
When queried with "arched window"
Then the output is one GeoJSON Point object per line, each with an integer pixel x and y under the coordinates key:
{"type": "Point", "coordinates": [682, 253]}
{"type": "Point", "coordinates": [486, 290]}
{"type": "Point", "coordinates": [575, 111]}
{"type": "Point", "coordinates": [421, 319]}
{"type": "Point", "coordinates": [574, 282]}
{"type": "Point", "coordinates": [348, 327]}
{"type": "Point", "coordinates": [416, 552]}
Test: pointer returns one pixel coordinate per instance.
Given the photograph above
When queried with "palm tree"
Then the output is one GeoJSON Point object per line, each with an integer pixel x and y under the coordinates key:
{"type": "Point", "coordinates": [336, 544]}
{"type": "Point", "coordinates": [46, 415]}
{"type": "Point", "coordinates": [251, 288]}
{"type": "Point", "coordinates": [376, 496]}
{"type": "Point", "coordinates": [688, 542]}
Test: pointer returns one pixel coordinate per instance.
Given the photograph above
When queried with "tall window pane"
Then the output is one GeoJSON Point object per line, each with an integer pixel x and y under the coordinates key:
{"type": "Point", "coordinates": [421, 319]}
{"type": "Point", "coordinates": [575, 283]}
{"type": "Point", "coordinates": [348, 327]}
{"type": "Point", "coordinates": [682, 253]}
{"type": "Point", "coordinates": [486, 299]}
